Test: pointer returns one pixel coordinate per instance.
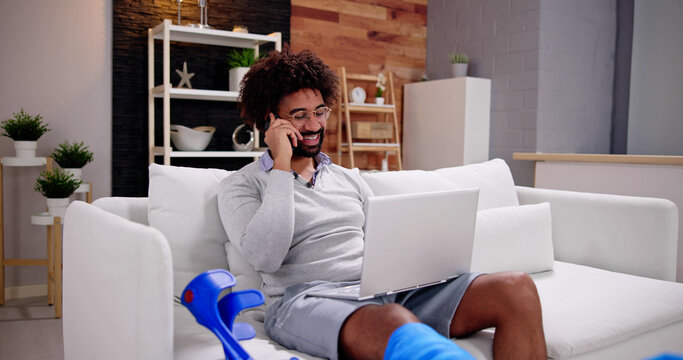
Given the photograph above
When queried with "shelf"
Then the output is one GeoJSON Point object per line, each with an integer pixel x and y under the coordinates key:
{"type": "Point", "coordinates": [159, 151]}
{"type": "Point", "coordinates": [359, 146]}
{"type": "Point", "coordinates": [213, 37]}
{"type": "Point", "coordinates": [42, 219]}
{"type": "Point", "coordinates": [196, 94]}
{"type": "Point", "coordinates": [21, 162]}
{"type": "Point", "coordinates": [370, 108]}
{"type": "Point", "coordinates": [84, 188]}
{"type": "Point", "coordinates": [168, 33]}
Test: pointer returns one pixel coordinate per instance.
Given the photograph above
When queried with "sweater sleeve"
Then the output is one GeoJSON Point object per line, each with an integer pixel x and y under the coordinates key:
{"type": "Point", "coordinates": [259, 223]}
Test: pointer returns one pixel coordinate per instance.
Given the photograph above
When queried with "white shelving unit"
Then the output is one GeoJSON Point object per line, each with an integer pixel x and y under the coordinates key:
{"type": "Point", "coordinates": [446, 122]}
{"type": "Point", "coordinates": [167, 32]}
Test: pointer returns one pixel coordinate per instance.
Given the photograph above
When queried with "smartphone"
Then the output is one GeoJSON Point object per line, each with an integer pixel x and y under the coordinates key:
{"type": "Point", "coordinates": [267, 125]}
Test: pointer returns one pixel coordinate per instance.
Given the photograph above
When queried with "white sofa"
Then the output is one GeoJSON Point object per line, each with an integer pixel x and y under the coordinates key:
{"type": "Point", "coordinates": [604, 266]}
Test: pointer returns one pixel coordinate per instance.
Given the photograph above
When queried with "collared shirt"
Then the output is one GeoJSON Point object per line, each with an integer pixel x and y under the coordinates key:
{"type": "Point", "coordinates": [266, 163]}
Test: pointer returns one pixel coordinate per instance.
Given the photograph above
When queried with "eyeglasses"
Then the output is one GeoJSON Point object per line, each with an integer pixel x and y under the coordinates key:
{"type": "Point", "coordinates": [319, 114]}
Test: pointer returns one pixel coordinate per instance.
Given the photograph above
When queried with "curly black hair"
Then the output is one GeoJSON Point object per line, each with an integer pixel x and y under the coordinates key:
{"type": "Point", "coordinates": [279, 74]}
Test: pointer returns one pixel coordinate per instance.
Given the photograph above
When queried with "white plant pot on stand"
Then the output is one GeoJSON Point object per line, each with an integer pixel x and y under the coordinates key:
{"type": "Point", "coordinates": [25, 149]}
{"type": "Point", "coordinates": [57, 206]}
{"type": "Point", "coordinates": [76, 172]}
{"type": "Point", "coordinates": [379, 100]}
{"type": "Point", "coordinates": [236, 75]}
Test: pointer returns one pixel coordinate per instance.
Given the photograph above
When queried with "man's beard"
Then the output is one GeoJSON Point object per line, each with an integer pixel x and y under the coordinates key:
{"type": "Point", "coordinates": [309, 151]}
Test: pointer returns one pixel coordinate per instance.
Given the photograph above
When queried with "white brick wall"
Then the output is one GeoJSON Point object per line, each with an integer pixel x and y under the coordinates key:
{"type": "Point", "coordinates": [551, 64]}
{"type": "Point", "coordinates": [501, 37]}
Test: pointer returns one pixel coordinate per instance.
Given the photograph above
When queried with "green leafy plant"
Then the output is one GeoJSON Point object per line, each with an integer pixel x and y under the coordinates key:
{"type": "Point", "coordinates": [72, 155]}
{"type": "Point", "coordinates": [56, 184]}
{"type": "Point", "coordinates": [458, 58]}
{"type": "Point", "coordinates": [242, 58]}
{"type": "Point", "coordinates": [24, 127]}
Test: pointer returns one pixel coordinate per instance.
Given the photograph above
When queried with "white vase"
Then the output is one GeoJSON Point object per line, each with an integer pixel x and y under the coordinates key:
{"type": "Point", "coordinates": [236, 75]}
{"type": "Point", "coordinates": [459, 70]}
{"type": "Point", "coordinates": [77, 173]}
{"type": "Point", "coordinates": [57, 207]}
{"type": "Point", "coordinates": [25, 149]}
{"type": "Point", "coordinates": [379, 100]}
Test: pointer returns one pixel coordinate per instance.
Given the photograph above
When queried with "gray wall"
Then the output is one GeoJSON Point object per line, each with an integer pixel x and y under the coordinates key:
{"type": "Point", "coordinates": [551, 66]}
{"type": "Point", "coordinates": [56, 61]}
{"type": "Point", "coordinates": [655, 124]}
{"type": "Point", "coordinates": [576, 76]}
{"type": "Point", "coordinates": [502, 39]}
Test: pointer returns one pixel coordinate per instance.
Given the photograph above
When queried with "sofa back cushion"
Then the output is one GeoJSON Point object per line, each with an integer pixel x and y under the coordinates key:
{"type": "Point", "coordinates": [493, 178]}
{"type": "Point", "coordinates": [184, 207]}
{"type": "Point", "coordinates": [514, 238]}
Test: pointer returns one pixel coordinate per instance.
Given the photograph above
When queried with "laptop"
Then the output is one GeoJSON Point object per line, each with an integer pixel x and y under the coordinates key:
{"type": "Point", "coordinates": [413, 241]}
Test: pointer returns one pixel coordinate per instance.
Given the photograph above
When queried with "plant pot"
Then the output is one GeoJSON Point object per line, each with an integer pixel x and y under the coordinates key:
{"type": "Point", "coordinates": [236, 75]}
{"type": "Point", "coordinates": [379, 100]}
{"type": "Point", "coordinates": [57, 207]}
{"type": "Point", "coordinates": [25, 149]}
{"type": "Point", "coordinates": [76, 172]}
{"type": "Point", "coordinates": [459, 70]}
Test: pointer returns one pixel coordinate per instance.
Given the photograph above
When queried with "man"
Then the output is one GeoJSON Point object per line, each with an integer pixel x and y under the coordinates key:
{"type": "Point", "coordinates": [298, 219]}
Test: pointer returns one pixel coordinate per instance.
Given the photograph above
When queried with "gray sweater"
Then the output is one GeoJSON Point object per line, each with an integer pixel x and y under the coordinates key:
{"type": "Point", "coordinates": [292, 233]}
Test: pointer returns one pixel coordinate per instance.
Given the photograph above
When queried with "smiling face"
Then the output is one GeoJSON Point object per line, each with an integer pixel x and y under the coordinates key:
{"type": "Point", "coordinates": [305, 102]}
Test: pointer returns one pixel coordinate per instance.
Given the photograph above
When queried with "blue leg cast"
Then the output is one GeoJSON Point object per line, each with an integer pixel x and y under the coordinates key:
{"type": "Point", "coordinates": [416, 341]}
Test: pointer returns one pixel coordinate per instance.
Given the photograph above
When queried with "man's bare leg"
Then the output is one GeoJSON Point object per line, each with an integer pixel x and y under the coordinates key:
{"type": "Point", "coordinates": [366, 332]}
{"type": "Point", "coordinates": [509, 302]}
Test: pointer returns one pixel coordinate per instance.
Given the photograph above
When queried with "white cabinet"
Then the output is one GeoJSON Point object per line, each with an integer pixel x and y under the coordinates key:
{"type": "Point", "coordinates": [446, 123]}
{"type": "Point", "coordinates": [167, 32]}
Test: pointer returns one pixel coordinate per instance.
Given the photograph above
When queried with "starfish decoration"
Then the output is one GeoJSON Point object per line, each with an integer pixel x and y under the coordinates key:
{"type": "Point", "coordinates": [185, 77]}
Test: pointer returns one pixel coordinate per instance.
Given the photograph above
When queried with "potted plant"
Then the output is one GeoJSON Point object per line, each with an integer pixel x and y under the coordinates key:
{"type": "Point", "coordinates": [25, 130]}
{"type": "Point", "coordinates": [56, 185]}
{"type": "Point", "coordinates": [239, 62]}
{"type": "Point", "coordinates": [459, 63]}
{"type": "Point", "coordinates": [72, 157]}
{"type": "Point", "coordinates": [381, 86]}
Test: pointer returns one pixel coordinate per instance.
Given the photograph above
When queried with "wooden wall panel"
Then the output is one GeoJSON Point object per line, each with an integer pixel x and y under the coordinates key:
{"type": "Point", "coordinates": [365, 36]}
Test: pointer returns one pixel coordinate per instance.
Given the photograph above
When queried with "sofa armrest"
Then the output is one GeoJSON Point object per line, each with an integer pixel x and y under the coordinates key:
{"type": "Point", "coordinates": [118, 287]}
{"type": "Point", "coordinates": [633, 235]}
{"type": "Point", "coordinates": [131, 208]}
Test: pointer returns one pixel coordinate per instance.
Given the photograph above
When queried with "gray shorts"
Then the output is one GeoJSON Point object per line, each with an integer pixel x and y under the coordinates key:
{"type": "Point", "coordinates": [312, 324]}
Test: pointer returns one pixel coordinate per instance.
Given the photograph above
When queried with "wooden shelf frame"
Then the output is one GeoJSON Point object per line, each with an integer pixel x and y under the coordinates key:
{"type": "Point", "coordinates": [167, 32]}
{"type": "Point", "coordinates": [53, 262]}
{"type": "Point", "coordinates": [345, 109]}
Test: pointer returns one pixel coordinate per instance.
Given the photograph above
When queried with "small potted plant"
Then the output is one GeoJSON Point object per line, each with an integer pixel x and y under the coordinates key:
{"type": "Point", "coordinates": [459, 63]}
{"type": "Point", "coordinates": [381, 86]}
{"type": "Point", "coordinates": [72, 157]}
{"type": "Point", "coordinates": [56, 185]}
{"type": "Point", "coordinates": [239, 62]}
{"type": "Point", "coordinates": [25, 130]}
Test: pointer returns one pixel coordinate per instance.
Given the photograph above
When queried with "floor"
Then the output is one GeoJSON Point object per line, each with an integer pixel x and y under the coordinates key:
{"type": "Point", "coordinates": [29, 330]}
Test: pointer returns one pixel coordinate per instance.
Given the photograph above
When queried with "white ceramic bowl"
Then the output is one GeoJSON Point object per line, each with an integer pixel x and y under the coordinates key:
{"type": "Point", "coordinates": [195, 139]}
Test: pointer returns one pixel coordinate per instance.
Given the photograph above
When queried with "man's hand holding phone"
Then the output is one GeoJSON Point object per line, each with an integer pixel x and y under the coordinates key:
{"type": "Point", "coordinates": [281, 137]}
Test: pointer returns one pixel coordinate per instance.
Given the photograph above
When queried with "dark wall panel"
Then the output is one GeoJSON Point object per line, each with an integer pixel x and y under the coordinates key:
{"type": "Point", "coordinates": [131, 21]}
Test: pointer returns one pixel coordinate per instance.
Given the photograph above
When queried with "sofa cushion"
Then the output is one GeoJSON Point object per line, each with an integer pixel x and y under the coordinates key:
{"type": "Point", "coordinates": [513, 238]}
{"type": "Point", "coordinates": [586, 309]}
{"type": "Point", "coordinates": [184, 207]}
{"type": "Point", "coordinates": [493, 178]}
